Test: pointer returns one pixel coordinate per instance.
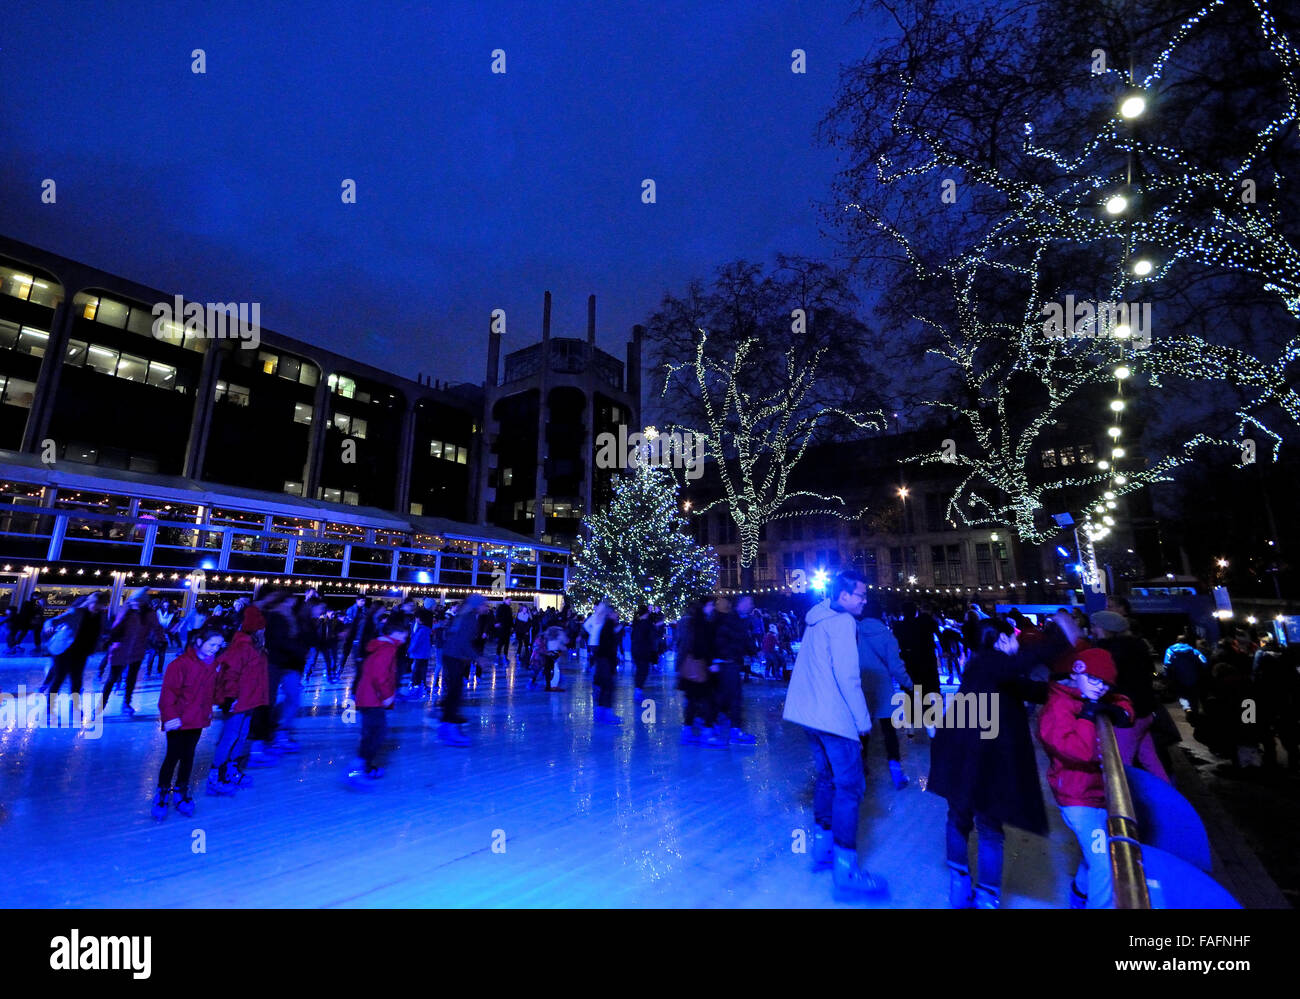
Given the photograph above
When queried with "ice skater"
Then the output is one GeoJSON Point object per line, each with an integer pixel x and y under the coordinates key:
{"type": "Point", "coordinates": [1068, 728]}
{"type": "Point", "coordinates": [376, 692]}
{"type": "Point", "coordinates": [243, 686]}
{"type": "Point", "coordinates": [550, 645]}
{"type": "Point", "coordinates": [185, 709]}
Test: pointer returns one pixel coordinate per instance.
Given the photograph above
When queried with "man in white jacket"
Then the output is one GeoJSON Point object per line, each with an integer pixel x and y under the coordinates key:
{"type": "Point", "coordinates": [825, 697]}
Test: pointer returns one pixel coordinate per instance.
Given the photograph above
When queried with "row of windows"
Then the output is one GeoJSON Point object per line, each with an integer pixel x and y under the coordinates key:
{"type": "Point", "coordinates": [285, 366]}
{"type": "Point", "coordinates": [338, 496]}
{"type": "Point", "coordinates": [136, 319]}
{"type": "Point", "coordinates": [352, 426]}
{"type": "Point", "coordinates": [448, 451]}
{"type": "Point", "coordinates": [134, 369]}
{"type": "Point", "coordinates": [1084, 454]}
{"type": "Point", "coordinates": [29, 288]}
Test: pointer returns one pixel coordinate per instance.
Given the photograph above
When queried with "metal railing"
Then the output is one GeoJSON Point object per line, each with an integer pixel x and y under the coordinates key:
{"type": "Point", "coordinates": [1121, 826]}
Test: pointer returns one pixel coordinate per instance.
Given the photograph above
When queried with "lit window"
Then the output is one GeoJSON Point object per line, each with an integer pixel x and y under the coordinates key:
{"type": "Point", "coordinates": [507, 476]}
{"type": "Point", "coordinates": [91, 306]}
{"type": "Point", "coordinates": [140, 321]}
{"type": "Point", "coordinates": [102, 359]}
{"type": "Point", "coordinates": [112, 313]}
{"type": "Point", "coordinates": [76, 355]}
{"type": "Point", "coordinates": [435, 449]}
{"type": "Point", "coordinates": [1086, 454]}
{"type": "Point", "coordinates": [293, 488]}
{"type": "Point", "coordinates": [268, 361]}
{"type": "Point", "coordinates": [33, 341]}
{"type": "Point", "coordinates": [342, 385]}
{"type": "Point", "coordinates": [15, 283]}
{"type": "Point", "coordinates": [309, 374]}
{"type": "Point", "coordinates": [351, 498]}
{"type": "Point", "coordinates": [302, 413]}
{"type": "Point", "coordinates": [8, 334]}
{"type": "Point", "coordinates": [462, 456]}
{"type": "Point", "coordinates": [133, 369]}
{"type": "Point", "coordinates": [162, 375]}
{"type": "Point", "coordinates": [341, 422]}
{"type": "Point", "coordinates": [358, 427]}
{"type": "Point", "coordinates": [289, 368]}
{"type": "Point", "coordinates": [417, 509]}
{"type": "Point", "coordinates": [19, 393]}
{"type": "Point", "coordinates": [1067, 456]}
{"type": "Point", "coordinates": [333, 496]}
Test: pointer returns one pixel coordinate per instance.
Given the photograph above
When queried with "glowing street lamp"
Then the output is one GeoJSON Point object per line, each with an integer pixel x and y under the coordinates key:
{"type": "Point", "coordinates": [1132, 106]}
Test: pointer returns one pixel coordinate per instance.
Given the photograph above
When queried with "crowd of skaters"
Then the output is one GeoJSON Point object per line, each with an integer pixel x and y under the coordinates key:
{"type": "Point", "coordinates": [845, 662]}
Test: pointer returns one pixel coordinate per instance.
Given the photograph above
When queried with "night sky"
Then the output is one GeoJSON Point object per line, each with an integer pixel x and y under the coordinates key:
{"type": "Point", "coordinates": [474, 191]}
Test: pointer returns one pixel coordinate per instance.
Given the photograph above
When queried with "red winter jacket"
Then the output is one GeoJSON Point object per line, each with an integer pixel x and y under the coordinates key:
{"type": "Point", "coordinates": [243, 674]}
{"type": "Point", "coordinates": [187, 691]}
{"type": "Point", "coordinates": [1071, 742]}
{"type": "Point", "coordinates": [377, 685]}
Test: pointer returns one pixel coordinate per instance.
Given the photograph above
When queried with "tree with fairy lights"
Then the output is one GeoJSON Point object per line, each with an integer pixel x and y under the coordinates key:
{"type": "Point", "coordinates": [1174, 202]}
{"type": "Point", "coordinates": [637, 550]}
{"type": "Point", "coordinates": [759, 367]}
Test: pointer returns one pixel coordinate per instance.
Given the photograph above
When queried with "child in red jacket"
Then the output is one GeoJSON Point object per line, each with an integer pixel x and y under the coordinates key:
{"type": "Point", "coordinates": [1068, 728]}
{"type": "Point", "coordinates": [185, 708]}
{"type": "Point", "coordinates": [375, 692]}
{"type": "Point", "coordinates": [243, 684]}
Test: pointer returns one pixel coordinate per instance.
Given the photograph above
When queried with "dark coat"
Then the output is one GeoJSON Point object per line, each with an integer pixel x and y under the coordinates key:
{"type": "Point", "coordinates": [997, 777]}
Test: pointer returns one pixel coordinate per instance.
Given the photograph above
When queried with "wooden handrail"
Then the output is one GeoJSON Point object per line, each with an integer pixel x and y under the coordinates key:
{"type": "Point", "coordinates": [1126, 868]}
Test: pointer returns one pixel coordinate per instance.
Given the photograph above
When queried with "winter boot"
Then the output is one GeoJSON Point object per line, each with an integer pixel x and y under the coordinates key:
{"type": "Point", "coordinates": [217, 784]}
{"type": "Point", "coordinates": [450, 735]}
{"type": "Point", "coordinates": [850, 880]}
{"type": "Point", "coordinates": [184, 803]}
{"type": "Point", "coordinates": [987, 898]}
{"type": "Point", "coordinates": [357, 774]}
{"type": "Point", "coordinates": [896, 772]}
{"type": "Point", "coordinates": [959, 889]}
{"type": "Point", "coordinates": [237, 778]}
{"type": "Point", "coordinates": [718, 737]}
{"type": "Point", "coordinates": [823, 849]}
{"type": "Point", "coordinates": [690, 735]}
{"type": "Point", "coordinates": [158, 808]}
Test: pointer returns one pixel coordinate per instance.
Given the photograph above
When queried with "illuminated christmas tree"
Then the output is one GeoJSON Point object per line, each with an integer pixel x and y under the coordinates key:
{"type": "Point", "coordinates": [637, 550]}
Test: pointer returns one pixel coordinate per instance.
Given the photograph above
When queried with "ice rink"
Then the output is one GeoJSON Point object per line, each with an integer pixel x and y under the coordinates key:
{"type": "Point", "coordinates": [544, 809]}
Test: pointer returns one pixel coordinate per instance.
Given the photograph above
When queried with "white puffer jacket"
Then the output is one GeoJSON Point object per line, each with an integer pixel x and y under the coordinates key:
{"type": "Point", "coordinates": [826, 688]}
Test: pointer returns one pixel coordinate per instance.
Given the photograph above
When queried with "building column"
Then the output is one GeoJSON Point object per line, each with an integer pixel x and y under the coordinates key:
{"type": "Point", "coordinates": [47, 381]}
{"type": "Point", "coordinates": [316, 440]}
{"type": "Point", "coordinates": [204, 402]}
{"type": "Point", "coordinates": [406, 449]}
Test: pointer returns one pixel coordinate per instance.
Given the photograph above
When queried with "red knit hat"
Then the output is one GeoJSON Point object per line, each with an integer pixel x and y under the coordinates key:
{"type": "Point", "coordinates": [253, 620]}
{"type": "Point", "coordinates": [1098, 663]}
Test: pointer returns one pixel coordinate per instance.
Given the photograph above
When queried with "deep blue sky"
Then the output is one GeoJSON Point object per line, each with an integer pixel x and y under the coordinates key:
{"type": "Point", "coordinates": [474, 191]}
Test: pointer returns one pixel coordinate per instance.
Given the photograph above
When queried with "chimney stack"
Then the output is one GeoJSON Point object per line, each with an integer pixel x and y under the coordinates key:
{"type": "Point", "coordinates": [591, 320]}
{"type": "Point", "coordinates": [494, 355]}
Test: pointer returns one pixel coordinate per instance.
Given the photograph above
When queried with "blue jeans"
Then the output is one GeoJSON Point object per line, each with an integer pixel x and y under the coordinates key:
{"type": "Point", "coordinates": [1089, 828]}
{"type": "Point", "coordinates": [989, 873]}
{"type": "Point", "coordinates": [840, 785]}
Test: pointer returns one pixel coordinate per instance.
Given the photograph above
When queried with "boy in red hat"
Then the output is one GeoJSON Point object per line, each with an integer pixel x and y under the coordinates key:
{"type": "Point", "coordinates": [243, 685]}
{"type": "Point", "coordinates": [1068, 729]}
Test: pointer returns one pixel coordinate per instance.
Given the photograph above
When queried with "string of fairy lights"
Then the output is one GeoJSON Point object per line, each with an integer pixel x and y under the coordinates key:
{"type": "Point", "coordinates": [161, 580]}
{"type": "Point", "coordinates": [1159, 222]}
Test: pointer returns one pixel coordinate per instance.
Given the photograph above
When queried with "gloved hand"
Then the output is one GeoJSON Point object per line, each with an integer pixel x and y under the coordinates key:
{"type": "Point", "coordinates": [169, 726]}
